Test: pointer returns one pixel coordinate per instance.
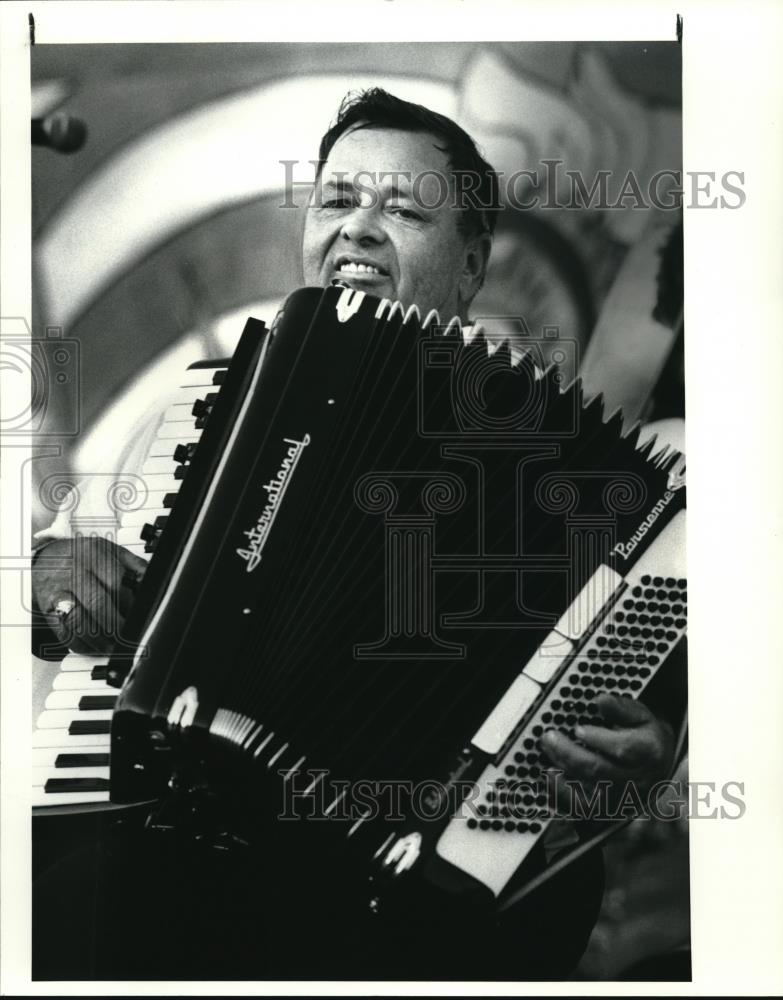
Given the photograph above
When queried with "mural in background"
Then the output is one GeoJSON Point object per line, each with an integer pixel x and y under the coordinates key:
{"type": "Point", "coordinates": [152, 244]}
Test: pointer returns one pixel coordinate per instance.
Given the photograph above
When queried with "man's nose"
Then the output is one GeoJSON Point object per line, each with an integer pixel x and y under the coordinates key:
{"type": "Point", "coordinates": [363, 225]}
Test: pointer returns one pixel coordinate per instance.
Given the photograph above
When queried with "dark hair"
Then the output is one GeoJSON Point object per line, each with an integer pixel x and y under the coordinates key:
{"type": "Point", "coordinates": [378, 108]}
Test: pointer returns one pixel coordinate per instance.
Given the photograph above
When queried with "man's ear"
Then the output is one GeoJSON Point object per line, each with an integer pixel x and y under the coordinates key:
{"type": "Point", "coordinates": [474, 267]}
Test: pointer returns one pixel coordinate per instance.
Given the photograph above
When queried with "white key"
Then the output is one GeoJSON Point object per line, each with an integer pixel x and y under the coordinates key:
{"type": "Point", "coordinates": [135, 520]}
{"type": "Point", "coordinates": [183, 410]}
{"type": "Point", "coordinates": [158, 483]}
{"type": "Point", "coordinates": [163, 482]}
{"type": "Point", "coordinates": [79, 661]}
{"type": "Point", "coordinates": [42, 774]}
{"type": "Point", "coordinates": [61, 739]}
{"type": "Point", "coordinates": [129, 536]}
{"type": "Point", "coordinates": [47, 756]}
{"type": "Point", "coordinates": [147, 514]}
{"type": "Point", "coordinates": [81, 680]}
{"type": "Point", "coordinates": [159, 465]}
{"type": "Point", "coordinates": [42, 798]}
{"type": "Point", "coordinates": [178, 430]}
{"type": "Point", "coordinates": [61, 719]}
{"type": "Point", "coordinates": [132, 534]}
{"type": "Point", "coordinates": [165, 446]}
{"type": "Point", "coordinates": [200, 377]}
{"type": "Point", "coordinates": [152, 501]}
{"type": "Point", "coordinates": [71, 699]}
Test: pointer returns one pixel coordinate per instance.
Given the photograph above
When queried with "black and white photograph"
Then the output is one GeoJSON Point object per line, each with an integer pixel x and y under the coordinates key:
{"type": "Point", "coordinates": [348, 577]}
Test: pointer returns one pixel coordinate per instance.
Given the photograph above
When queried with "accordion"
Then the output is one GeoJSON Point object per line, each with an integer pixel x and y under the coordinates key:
{"type": "Point", "coordinates": [399, 556]}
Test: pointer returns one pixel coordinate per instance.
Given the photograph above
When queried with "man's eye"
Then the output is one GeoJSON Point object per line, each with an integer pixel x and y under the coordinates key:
{"type": "Point", "coordinates": [336, 203]}
{"type": "Point", "coordinates": [405, 213]}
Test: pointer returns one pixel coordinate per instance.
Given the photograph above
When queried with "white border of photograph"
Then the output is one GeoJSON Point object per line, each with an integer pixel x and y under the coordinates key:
{"type": "Point", "coordinates": [733, 120]}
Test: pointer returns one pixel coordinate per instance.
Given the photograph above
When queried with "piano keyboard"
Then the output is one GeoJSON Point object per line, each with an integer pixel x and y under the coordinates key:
{"type": "Point", "coordinates": [162, 470]}
{"type": "Point", "coordinates": [71, 738]}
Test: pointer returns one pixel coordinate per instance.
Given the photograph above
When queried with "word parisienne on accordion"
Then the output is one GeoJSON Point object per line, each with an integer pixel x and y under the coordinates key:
{"type": "Point", "coordinates": [399, 556]}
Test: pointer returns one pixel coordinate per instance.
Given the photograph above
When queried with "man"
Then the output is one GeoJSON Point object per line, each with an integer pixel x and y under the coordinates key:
{"type": "Point", "coordinates": [391, 215]}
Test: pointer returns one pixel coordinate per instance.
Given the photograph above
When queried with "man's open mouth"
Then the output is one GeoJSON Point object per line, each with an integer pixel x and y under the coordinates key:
{"type": "Point", "coordinates": [353, 267]}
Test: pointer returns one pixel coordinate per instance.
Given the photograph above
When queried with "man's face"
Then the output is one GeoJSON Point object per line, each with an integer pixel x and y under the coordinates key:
{"type": "Point", "coordinates": [369, 222]}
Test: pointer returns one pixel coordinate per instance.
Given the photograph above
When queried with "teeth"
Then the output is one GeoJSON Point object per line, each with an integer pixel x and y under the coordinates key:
{"type": "Point", "coordinates": [359, 268]}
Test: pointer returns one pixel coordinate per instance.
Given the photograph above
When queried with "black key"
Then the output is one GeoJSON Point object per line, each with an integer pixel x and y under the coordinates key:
{"type": "Point", "coordinates": [96, 702]}
{"type": "Point", "coordinates": [180, 472]}
{"type": "Point", "coordinates": [219, 377]}
{"type": "Point", "coordinates": [151, 532]}
{"type": "Point", "coordinates": [202, 407]}
{"type": "Point", "coordinates": [90, 727]}
{"type": "Point", "coordinates": [168, 500]}
{"type": "Point", "coordinates": [184, 452]}
{"type": "Point", "coordinates": [82, 760]}
{"type": "Point", "coordinates": [77, 785]}
{"type": "Point", "coordinates": [99, 673]}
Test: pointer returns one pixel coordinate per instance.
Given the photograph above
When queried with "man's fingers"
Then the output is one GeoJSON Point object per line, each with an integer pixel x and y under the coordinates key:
{"type": "Point", "coordinates": [92, 574]}
{"type": "Point", "coordinates": [83, 634]}
{"type": "Point", "coordinates": [72, 625]}
{"type": "Point", "coordinates": [98, 557]}
{"type": "Point", "coordinates": [109, 562]}
{"type": "Point", "coordinates": [59, 611]}
{"type": "Point", "coordinates": [98, 600]}
{"type": "Point", "coordinates": [576, 761]}
{"type": "Point", "coordinates": [118, 571]}
{"type": "Point", "coordinates": [628, 748]}
{"type": "Point", "coordinates": [131, 562]}
{"type": "Point", "coordinates": [94, 621]}
{"type": "Point", "coordinates": [559, 793]}
{"type": "Point", "coordinates": [622, 711]}
{"type": "Point", "coordinates": [133, 569]}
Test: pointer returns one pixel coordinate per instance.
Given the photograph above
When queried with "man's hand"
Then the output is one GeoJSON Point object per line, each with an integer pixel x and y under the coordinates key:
{"type": "Point", "coordinates": [93, 578]}
{"type": "Point", "coordinates": [632, 746]}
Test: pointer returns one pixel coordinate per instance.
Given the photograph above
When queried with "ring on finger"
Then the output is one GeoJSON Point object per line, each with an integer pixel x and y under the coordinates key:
{"type": "Point", "coordinates": [63, 608]}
